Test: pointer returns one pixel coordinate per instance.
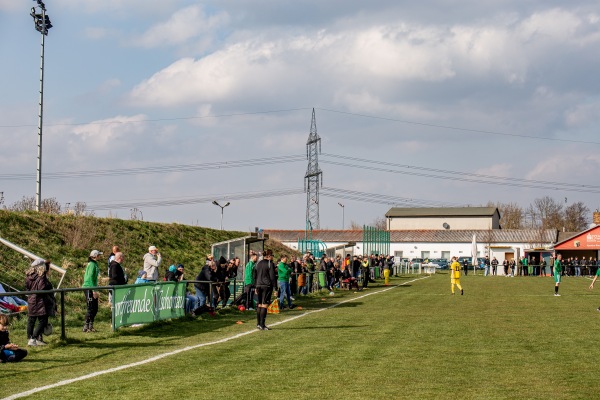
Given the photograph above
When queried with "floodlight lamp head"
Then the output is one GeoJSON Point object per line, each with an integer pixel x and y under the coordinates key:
{"type": "Point", "coordinates": [226, 204]}
{"type": "Point", "coordinates": [215, 203]}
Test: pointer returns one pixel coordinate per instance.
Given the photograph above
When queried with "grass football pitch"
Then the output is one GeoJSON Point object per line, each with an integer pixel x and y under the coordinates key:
{"type": "Point", "coordinates": [506, 338]}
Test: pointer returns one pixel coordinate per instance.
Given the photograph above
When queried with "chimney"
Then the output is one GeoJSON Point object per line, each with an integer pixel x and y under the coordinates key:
{"type": "Point", "coordinates": [596, 217]}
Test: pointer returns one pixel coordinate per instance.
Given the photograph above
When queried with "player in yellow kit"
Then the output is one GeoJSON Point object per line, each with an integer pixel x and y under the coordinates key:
{"type": "Point", "coordinates": [455, 275]}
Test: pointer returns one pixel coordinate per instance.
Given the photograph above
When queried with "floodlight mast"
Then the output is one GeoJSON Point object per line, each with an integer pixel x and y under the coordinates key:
{"type": "Point", "coordinates": [42, 24]}
{"type": "Point", "coordinates": [222, 208]}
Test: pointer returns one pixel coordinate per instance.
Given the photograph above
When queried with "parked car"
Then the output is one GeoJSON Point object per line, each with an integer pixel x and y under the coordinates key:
{"type": "Point", "coordinates": [479, 261]}
{"type": "Point", "coordinates": [416, 262]}
{"type": "Point", "coordinates": [441, 262]}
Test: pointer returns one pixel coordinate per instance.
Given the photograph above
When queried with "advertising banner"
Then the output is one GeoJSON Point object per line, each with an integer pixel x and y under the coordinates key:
{"type": "Point", "coordinates": [147, 302]}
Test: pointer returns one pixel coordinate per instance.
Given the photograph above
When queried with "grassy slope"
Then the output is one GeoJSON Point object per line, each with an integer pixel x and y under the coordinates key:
{"type": "Point", "coordinates": [506, 338]}
{"type": "Point", "coordinates": [67, 241]}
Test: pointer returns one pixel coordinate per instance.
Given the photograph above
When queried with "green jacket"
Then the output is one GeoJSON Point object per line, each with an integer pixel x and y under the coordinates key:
{"type": "Point", "coordinates": [248, 278]}
{"type": "Point", "coordinates": [90, 279]}
{"type": "Point", "coordinates": [284, 272]}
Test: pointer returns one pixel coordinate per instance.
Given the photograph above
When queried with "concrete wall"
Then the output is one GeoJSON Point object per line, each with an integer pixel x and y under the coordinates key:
{"type": "Point", "coordinates": [437, 223]}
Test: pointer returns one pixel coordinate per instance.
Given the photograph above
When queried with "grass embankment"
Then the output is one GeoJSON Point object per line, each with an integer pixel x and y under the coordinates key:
{"type": "Point", "coordinates": [506, 338]}
{"type": "Point", "coordinates": [67, 240]}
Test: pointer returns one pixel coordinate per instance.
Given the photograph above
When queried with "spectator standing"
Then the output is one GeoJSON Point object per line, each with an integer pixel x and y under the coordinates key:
{"type": "Point", "coordinates": [355, 266]}
{"type": "Point", "coordinates": [525, 263]}
{"type": "Point", "coordinates": [206, 276]}
{"type": "Point", "coordinates": [557, 273]}
{"type": "Point", "coordinates": [302, 279]}
{"type": "Point", "coordinates": [465, 266]}
{"type": "Point", "coordinates": [116, 273]}
{"type": "Point", "coordinates": [542, 266]}
{"type": "Point", "coordinates": [249, 282]}
{"type": "Point", "coordinates": [9, 352]}
{"type": "Point", "coordinates": [505, 264]}
{"type": "Point", "coordinates": [494, 264]}
{"type": "Point", "coordinates": [486, 265]}
{"type": "Point", "coordinates": [152, 260]}
{"type": "Point", "coordinates": [90, 279]}
{"type": "Point", "coordinates": [115, 250]}
{"type": "Point", "coordinates": [264, 279]}
{"type": "Point", "coordinates": [366, 272]}
{"type": "Point", "coordinates": [294, 276]}
{"type": "Point", "coordinates": [39, 306]}
{"type": "Point", "coordinates": [512, 264]}
{"type": "Point", "coordinates": [386, 271]}
{"type": "Point", "coordinates": [284, 272]}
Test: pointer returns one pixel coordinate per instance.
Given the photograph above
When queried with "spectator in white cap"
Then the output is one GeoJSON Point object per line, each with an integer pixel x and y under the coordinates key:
{"type": "Point", "coordinates": [90, 279]}
{"type": "Point", "coordinates": [152, 260]}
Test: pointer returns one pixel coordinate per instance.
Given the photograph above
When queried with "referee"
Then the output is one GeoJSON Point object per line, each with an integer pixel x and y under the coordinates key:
{"type": "Point", "coordinates": [264, 280]}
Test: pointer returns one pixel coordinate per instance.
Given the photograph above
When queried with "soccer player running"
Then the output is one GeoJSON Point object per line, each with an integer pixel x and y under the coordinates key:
{"type": "Point", "coordinates": [455, 275]}
{"type": "Point", "coordinates": [264, 281]}
{"type": "Point", "coordinates": [594, 281]}
{"type": "Point", "coordinates": [557, 273]}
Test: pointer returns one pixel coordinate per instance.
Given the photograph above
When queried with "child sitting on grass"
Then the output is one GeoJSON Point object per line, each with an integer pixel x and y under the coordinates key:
{"type": "Point", "coordinates": [9, 352]}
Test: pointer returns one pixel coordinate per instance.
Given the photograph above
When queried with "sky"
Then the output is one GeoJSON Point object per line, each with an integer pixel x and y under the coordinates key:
{"type": "Point", "coordinates": [158, 108]}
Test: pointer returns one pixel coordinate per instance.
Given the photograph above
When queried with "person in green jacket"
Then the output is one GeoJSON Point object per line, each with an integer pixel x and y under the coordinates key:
{"type": "Point", "coordinates": [249, 281]}
{"type": "Point", "coordinates": [284, 272]}
{"type": "Point", "coordinates": [90, 279]}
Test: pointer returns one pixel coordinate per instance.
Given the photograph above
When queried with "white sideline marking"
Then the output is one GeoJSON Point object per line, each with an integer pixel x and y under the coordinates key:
{"type": "Point", "coordinates": [196, 346]}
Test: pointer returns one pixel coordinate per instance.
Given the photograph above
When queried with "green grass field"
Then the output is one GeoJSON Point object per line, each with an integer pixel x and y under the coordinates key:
{"type": "Point", "coordinates": [506, 338]}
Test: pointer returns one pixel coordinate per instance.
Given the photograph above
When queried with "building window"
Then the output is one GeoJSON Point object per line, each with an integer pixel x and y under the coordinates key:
{"type": "Point", "coordinates": [424, 254]}
{"type": "Point", "coordinates": [446, 255]}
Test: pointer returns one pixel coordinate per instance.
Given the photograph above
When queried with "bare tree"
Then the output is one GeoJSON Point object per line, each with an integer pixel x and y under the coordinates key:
{"type": "Point", "coordinates": [355, 226]}
{"type": "Point", "coordinates": [511, 214]}
{"type": "Point", "coordinates": [380, 223]}
{"type": "Point", "coordinates": [48, 206]}
{"type": "Point", "coordinates": [545, 213]}
{"type": "Point", "coordinates": [576, 217]}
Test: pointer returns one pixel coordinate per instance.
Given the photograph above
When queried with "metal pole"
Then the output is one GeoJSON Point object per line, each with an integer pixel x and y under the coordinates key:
{"type": "Point", "coordinates": [222, 208]}
{"type": "Point", "coordinates": [63, 335]}
{"type": "Point", "coordinates": [38, 192]}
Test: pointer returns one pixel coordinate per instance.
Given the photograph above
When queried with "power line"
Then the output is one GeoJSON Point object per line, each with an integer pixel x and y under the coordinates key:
{"type": "Point", "coordinates": [464, 176]}
{"type": "Point", "coordinates": [381, 198]}
{"type": "Point", "coordinates": [194, 200]}
{"type": "Point", "coordinates": [161, 169]}
{"type": "Point", "coordinates": [161, 119]}
{"type": "Point", "coordinates": [455, 128]}
{"type": "Point", "coordinates": [360, 115]}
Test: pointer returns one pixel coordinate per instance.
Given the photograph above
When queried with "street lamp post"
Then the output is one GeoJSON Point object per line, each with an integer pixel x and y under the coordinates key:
{"type": "Point", "coordinates": [42, 24]}
{"type": "Point", "coordinates": [343, 209]}
{"type": "Point", "coordinates": [222, 207]}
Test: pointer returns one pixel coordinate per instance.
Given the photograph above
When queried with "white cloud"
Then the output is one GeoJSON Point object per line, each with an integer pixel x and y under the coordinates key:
{"type": "Point", "coordinates": [105, 135]}
{"type": "Point", "coordinates": [567, 168]}
{"type": "Point", "coordinates": [183, 25]}
{"type": "Point", "coordinates": [10, 5]}
{"type": "Point", "coordinates": [355, 64]}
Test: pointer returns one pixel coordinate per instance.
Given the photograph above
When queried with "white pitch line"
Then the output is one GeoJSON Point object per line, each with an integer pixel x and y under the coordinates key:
{"type": "Point", "coordinates": [188, 348]}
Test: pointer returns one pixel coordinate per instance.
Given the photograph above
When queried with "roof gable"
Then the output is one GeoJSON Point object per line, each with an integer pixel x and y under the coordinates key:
{"type": "Point", "coordinates": [586, 240]}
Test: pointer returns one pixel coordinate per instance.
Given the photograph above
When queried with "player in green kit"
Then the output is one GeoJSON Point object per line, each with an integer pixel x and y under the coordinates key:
{"type": "Point", "coordinates": [593, 281]}
{"type": "Point", "coordinates": [557, 273]}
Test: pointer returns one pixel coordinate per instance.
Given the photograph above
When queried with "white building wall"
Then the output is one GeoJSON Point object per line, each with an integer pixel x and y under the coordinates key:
{"type": "Point", "coordinates": [437, 223]}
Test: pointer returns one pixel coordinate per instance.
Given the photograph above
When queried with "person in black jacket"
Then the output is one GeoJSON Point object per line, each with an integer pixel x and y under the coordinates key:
{"type": "Point", "coordinates": [39, 306]}
{"type": "Point", "coordinates": [116, 273]}
{"type": "Point", "coordinates": [264, 281]}
{"type": "Point", "coordinates": [206, 275]}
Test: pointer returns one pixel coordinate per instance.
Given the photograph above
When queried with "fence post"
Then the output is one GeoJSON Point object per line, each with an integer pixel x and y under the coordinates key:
{"type": "Point", "coordinates": [63, 335]}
